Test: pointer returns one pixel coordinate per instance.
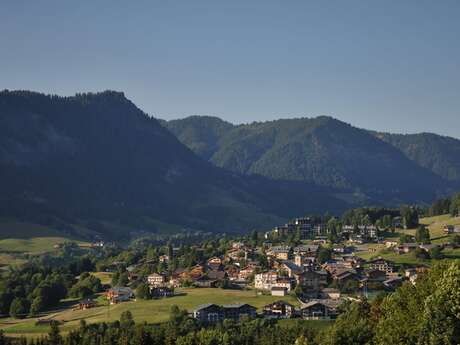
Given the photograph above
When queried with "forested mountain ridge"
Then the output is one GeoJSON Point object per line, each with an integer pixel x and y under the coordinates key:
{"type": "Point", "coordinates": [321, 150]}
{"type": "Point", "coordinates": [437, 153]}
{"type": "Point", "coordinates": [98, 157]}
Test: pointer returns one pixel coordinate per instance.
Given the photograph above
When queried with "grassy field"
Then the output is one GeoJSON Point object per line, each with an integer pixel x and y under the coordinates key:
{"type": "Point", "coordinates": [27, 238]}
{"type": "Point", "coordinates": [436, 227]}
{"type": "Point", "coordinates": [105, 277]}
{"type": "Point", "coordinates": [151, 311]}
{"type": "Point", "coordinates": [35, 245]}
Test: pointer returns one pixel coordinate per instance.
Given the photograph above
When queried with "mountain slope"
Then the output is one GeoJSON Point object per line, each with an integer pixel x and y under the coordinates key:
{"type": "Point", "coordinates": [323, 151]}
{"type": "Point", "coordinates": [200, 133]}
{"type": "Point", "coordinates": [97, 157]}
{"type": "Point", "coordinates": [437, 153]}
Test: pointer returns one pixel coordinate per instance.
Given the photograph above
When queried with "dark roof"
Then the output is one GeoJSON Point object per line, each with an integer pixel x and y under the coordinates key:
{"type": "Point", "coordinates": [205, 306]}
{"type": "Point", "coordinates": [278, 288]}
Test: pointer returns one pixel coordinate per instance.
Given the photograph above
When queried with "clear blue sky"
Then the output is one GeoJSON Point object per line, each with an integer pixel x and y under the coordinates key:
{"type": "Point", "coordinates": [384, 65]}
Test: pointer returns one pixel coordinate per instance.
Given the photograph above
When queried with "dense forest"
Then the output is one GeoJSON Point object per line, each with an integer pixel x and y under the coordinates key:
{"type": "Point", "coordinates": [98, 159]}
{"type": "Point", "coordinates": [326, 151]}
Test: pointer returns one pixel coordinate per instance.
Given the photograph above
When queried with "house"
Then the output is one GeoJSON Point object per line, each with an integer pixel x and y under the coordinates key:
{"type": "Point", "coordinates": [428, 247]}
{"type": "Point", "coordinates": [279, 310]}
{"type": "Point", "coordinates": [374, 275]}
{"type": "Point", "coordinates": [205, 282]}
{"type": "Point", "coordinates": [246, 272]}
{"type": "Point", "coordinates": [391, 243]}
{"type": "Point", "coordinates": [406, 248]}
{"type": "Point", "coordinates": [449, 229]}
{"type": "Point", "coordinates": [330, 293]}
{"type": "Point", "coordinates": [86, 303]}
{"type": "Point", "coordinates": [236, 254]}
{"type": "Point", "coordinates": [381, 265]}
{"type": "Point", "coordinates": [236, 311]}
{"type": "Point", "coordinates": [393, 283]}
{"type": "Point", "coordinates": [283, 283]}
{"type": "Point", "coordinates": [278, 291]}
{"type": "Point", "coordinates": [210, 313]}
{"type": "Point", "coordinates": [343, 275]}
{"type": "Point", "coordinates": [162, 291]}
{"type": "Point", "coordinates": [280, 252]}
{"type": "Point", "coordinates": [119, 294]}
{"type": "Point", "coordinates": [156, 279]}
{"type": "Point", "coordinates": [324, 309]}
{"type": "Point", "coordinates": [306, 250]}
{"type": "Point", "coordinates": [264, 281]}
{"type": "Point", "coordinates": [290, 268]}
{"type": "Point", "coordinates": [311, 279]}
{"type": "Point", "coordinates": [233, 272]}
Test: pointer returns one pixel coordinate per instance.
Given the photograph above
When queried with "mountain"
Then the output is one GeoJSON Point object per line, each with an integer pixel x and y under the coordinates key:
{"type": "Point", "coordinates": [440, 154]}
{"type": "Point", "coordinates": [96, 159]}
{"type": "Point", "coordinates": [323, 151]}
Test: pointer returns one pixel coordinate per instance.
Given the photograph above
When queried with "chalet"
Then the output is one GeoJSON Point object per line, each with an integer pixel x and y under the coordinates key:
{"type": "Point", "coordinates": [324, 309]}
{"type": "Point", "coordinates": [236, 311]}
{"type": "Point", "coordinates": [393, 283]}
{"type": "Point", "coordinates": [233, 272]}
{"type": "Point", "coordinates": [406, 248]}
{"type": "Point", "coordinates": [391, 243]}
{"type": "Point", "coordinates": [86, 303]}
{"type": "Point", "coordinates": [205, 282]}
{"type": "Point", "coordinates": [119, 294]}
{"type": "Point", "coordinates": [156, 279]}
{"type": "Point", "coordinates": [279, 310]}
{"type": "Point", "coordinates": [210, 313]}
{"type": "Point", "coordinates": [381, 265]}
{"type": "Point", "coordinates": [280, 252]}
{"type": "Point", "coordinates": [306, 250]}
{"type": "Point", "coordinates": [246, 272]}
{"type": "Point", "coordinates": [330, 293]}
{"type": "Point", "coordinates": [302, 260]}
{"type": "Point", "coordinates": [374, 275]}
{"type": "Point", "coordinates": [162, 291]}
{"type": "Point", "coordinates": [290, 268]}
{"type": "Point", "coordinates": [311, 279]}
{"type": "Point", "coordinates": [285, 283]}
{"type": "Point", "coordinates": [449, 229]}
{"type": "Point", "coordinates": [428, 247]}
{"type": "Point", "coordinates": [216, 274]}
{"type": "Point", "coordinates": [278, 291]}
{"type": "Point", "coordinates": [341, 276]}
{"type": "Point", "coordinates": [264, 281]}
{"type": "Point", "coordinates": [236, 254]}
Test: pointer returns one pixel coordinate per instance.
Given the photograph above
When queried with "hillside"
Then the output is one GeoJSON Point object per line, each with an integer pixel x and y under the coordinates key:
{"type": "Point", "coordinates": [96, 159]}
{"type": "Point", "coordinates": [437, 153]}
{"type": "Point", "coordinates": [321, 150]}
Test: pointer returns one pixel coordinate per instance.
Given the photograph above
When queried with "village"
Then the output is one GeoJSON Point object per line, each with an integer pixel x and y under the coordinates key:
{"type": "Point", "coordinates": [319, 274]}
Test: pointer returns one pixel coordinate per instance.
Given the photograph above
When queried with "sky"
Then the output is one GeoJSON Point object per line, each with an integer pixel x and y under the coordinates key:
{"type": "Point", "coordinates": [382, 65]}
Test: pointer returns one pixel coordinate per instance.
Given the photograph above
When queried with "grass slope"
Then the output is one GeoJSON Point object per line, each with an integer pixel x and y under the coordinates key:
{"type": "Point", "coordinates": [436, 227]}
{"type": "Point", "coordinates": [151, 311]}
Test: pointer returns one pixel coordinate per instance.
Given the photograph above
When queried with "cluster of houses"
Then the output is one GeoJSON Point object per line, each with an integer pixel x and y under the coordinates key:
{"type": "Point", "coordinates": [451, 229]}
{"type": "Point", "coordinates": [404, 248]}
{"type": "Point", "coordinates": [325, 309]}
{"type": "Point", "coordinates": [312, 228]}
